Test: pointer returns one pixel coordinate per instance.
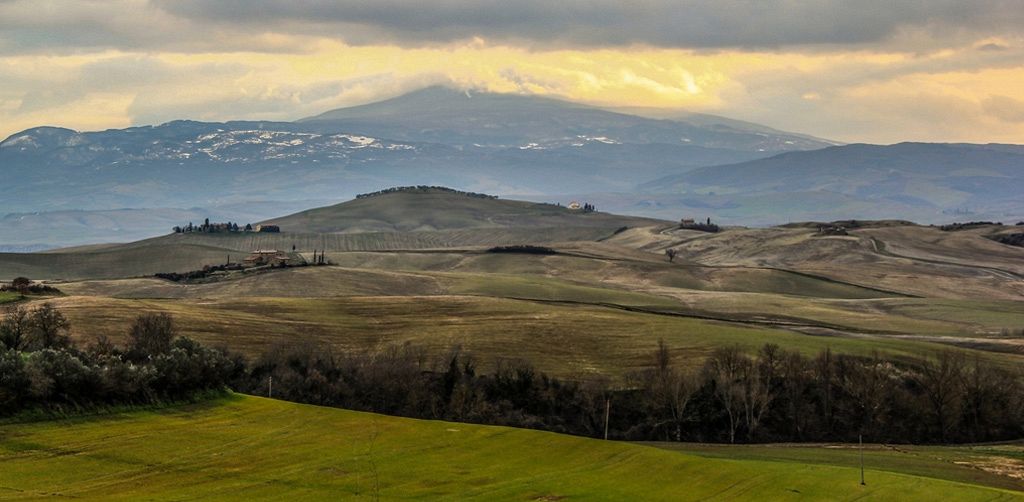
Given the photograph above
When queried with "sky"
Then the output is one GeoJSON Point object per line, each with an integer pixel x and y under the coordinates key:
{"type": "Point", "coordinates": [879, 71]}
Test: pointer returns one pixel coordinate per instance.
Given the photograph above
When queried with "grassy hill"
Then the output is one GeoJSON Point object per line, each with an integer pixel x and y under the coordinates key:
{"type": "Point", "coordinates": [246, 448]}
{"type": "Point", "coordinates": [440, 209]}
{"type": "Point", "coordinates": [402, 220]}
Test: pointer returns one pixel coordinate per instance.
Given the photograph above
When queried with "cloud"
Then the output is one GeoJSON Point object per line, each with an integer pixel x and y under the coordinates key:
{"type": "Point", "coordinates": [294, 25]}
{"type": "Point", "coordinates": [867, 70]}
{"type": "Point", "coordinates": [662, 23]}
{"type": "Point", "coordinates": [1005, 108]}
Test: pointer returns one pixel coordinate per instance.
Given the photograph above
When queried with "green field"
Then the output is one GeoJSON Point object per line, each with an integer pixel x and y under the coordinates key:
{"type": "Point", "coordinates": [6, 297]}
{"type": "Point", "coordinates": [245, 448]}
{"type": "Point", "coordinates": [1000, 465]}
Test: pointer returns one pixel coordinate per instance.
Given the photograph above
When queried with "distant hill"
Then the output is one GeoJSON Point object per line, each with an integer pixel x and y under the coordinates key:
{"type": "Point", "coordinates": [923, 181]}
{"type": "Point", "coordinates": [430, 209]}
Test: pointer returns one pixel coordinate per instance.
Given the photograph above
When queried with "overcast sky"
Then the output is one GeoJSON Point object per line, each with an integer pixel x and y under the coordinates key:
{"type": "Point", "coordinates": [851, 70]}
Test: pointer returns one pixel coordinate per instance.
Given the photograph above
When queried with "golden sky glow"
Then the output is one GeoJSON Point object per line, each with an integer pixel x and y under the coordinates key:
{"type": "Point", "coordinates": [970, 90]}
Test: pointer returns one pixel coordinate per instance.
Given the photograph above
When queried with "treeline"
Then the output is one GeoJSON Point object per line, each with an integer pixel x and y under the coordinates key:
{"type": "Point", "coordinates": [771, 396]}
{"type": "Point", "coordinates": [523, 249]}
{"type": "Point", "coordinates": [43, 371]}
{"type": "Point", "coordinates": [423, 189]}
{"type": "Point", "coordinates": [198, 275]}
{"type": "Point", "coordinates": [967, 225]}
{"type": "Point", "coordinates": [1010, 239]}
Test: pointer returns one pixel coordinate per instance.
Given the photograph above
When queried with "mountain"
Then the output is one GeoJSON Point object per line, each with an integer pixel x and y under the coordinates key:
{"type": "Point", "coordinates": [497, 143]}
{"type": "Point", "coordinates": [932, 182]}
{"type": "Point", "coordinates": [466, 118]}
{"type": "Point", "coordinates": [410, 209]}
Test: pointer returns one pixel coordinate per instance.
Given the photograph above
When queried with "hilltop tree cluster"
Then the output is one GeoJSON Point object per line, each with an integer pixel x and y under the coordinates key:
{"type": "Point", "coordinates": [967, 225]}
{"type": "Point", "coordinates": [212, 228]}
{"type": "Point", "coordinates": [424, 189]}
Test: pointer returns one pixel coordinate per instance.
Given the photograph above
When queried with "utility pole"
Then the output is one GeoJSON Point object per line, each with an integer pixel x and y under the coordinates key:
{"type": "Point", "coordinates": [607, 413]}
{"type": "Point", "coordinates": [860, 439]}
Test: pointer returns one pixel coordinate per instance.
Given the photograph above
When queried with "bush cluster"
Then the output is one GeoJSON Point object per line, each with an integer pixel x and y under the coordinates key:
{"type": "Point", "coordinates": [522, 248]}
{"type": "Point", "coordinates": [42, 370]}
{"type": "Point", "coordinates": [25, 286]}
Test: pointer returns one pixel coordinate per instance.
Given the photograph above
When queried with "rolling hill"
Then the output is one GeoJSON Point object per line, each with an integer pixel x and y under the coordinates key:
{"type": "Point", "coordinates": [408, 219]}
{"type": "Point", "coordinates": [927, 182]}
{"type": "Point", "coordinates": [249, 448]}
{"type": "Point", "coordinates": [435, 208]}
{"type": "Point", "coordinates": [419, 257]}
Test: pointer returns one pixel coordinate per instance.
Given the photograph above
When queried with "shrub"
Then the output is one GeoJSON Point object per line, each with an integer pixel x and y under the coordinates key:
{"type": "Point", "coordinates": [524, 248]}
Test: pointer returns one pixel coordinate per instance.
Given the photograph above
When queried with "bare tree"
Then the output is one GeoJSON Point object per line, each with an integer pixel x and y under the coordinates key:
{"type": "Point", "coordinates": [796, 384]}
{"type": "Point", "coordinates": [726, 368]}
{"type": "Point", "coordinates": [758, 380]}
{"type": "Point", "coordinates": [671, 254]}
{"type": "Point", "coordinates": [48, 328]}
{"type": "Point", "coordinates": [866, 384]}
{"type": "Point", "coordinates": [151, 335]}
{"type": "Point", "coordinates": [940, 380]}
{"type": "Point", "coordinates": [15, 328]}
{"type": "Point", "coordinates": [670, 390]}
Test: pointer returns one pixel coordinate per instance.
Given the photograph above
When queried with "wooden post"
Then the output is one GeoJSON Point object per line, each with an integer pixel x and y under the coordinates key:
{"type": "Point", "coordinates": [860, 439]}
{"type": "Point", "coordinates": [270, 386]}
{"type": "Point", "coordinates": [607, 413]}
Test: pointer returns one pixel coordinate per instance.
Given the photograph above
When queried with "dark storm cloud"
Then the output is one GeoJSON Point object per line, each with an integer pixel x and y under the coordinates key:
{"type": "Point", "coordinates": [202, 25]}
{"type": "Point", "coordinates": [680, 23]}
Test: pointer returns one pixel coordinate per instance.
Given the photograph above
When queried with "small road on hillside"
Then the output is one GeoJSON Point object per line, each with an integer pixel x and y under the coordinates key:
{"type": "Point", "coordinates": [881, 248]}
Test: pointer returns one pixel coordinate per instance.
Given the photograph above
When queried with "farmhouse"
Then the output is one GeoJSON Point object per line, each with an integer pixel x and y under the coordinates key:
{"type": "Point", "coordinates": [268, 228]}
{"type": "Point", "coordinates": [266, 257]}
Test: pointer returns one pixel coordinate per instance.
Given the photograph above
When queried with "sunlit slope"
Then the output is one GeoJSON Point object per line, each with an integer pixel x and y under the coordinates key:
{"type": "Point", "coordinates": [576, 339]}
{"type": "Point", "coordinates": [245, 448]}
{"type": "Point", "coordinates": [912, 259]}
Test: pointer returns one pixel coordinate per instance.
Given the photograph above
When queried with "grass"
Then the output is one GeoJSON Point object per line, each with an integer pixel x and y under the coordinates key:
{"type": "Point", "coordinates": [999, 465]}
{"type": "Point", "coordinates": [8, 297]}
{"type": "Point", "coordinates": [246, 448]}
{"type": "Point", "coordinates": [566, 340]}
